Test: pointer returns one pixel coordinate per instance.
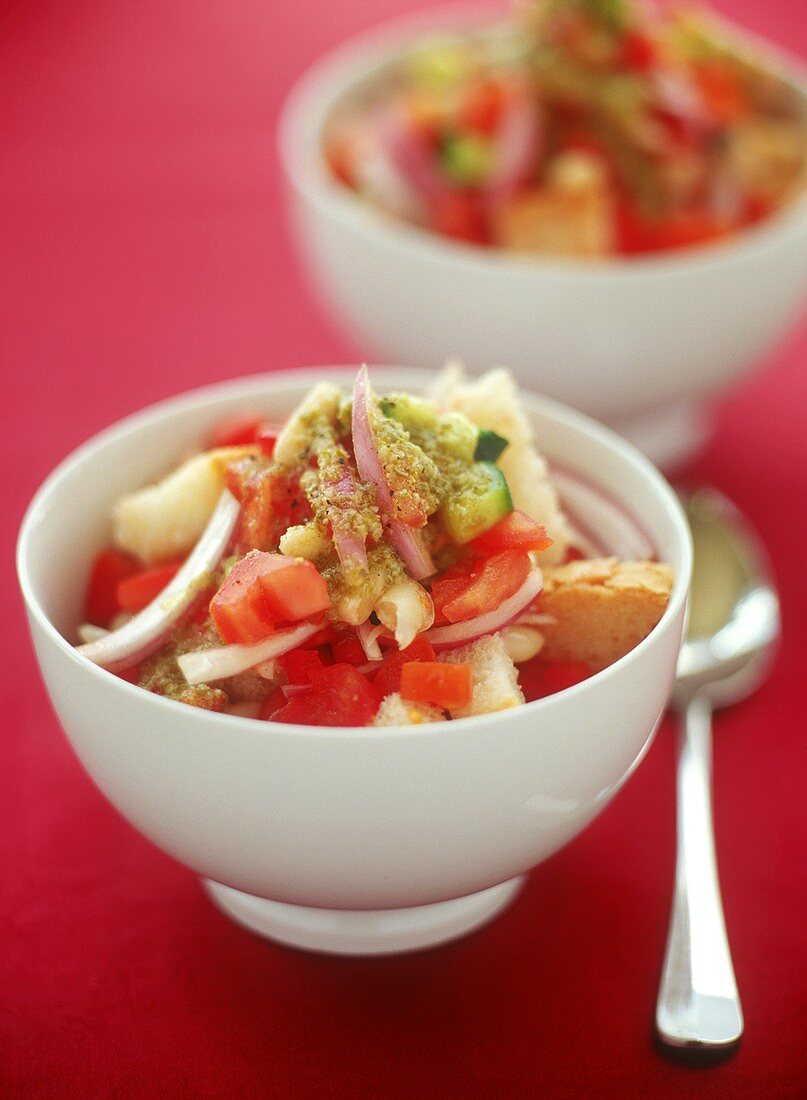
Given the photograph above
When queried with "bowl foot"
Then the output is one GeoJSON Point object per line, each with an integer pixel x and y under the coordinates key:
{"type": "Point", "coordinates": [364, 932]}
{"type": "Point", "coordinates": [670, 435]}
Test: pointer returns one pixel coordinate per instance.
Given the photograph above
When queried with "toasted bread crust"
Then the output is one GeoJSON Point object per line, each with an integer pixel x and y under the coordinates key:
{"type": "Point", "coordinates": [601, 608]}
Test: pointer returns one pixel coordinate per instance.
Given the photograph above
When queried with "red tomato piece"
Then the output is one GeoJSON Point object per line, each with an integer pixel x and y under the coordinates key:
{"type": "Point", "coordinates": [722, 92]}
{"type": "Point", "coordinates": [639, 52]}
{"type": "Point", "coordinates": [636, 234]}
{"type": "Point", "coordinates": [301, 666]}
{"type": "Point", "coordinates": [517, 531]}
{"type": "Point", "coordinates": [460, 215]}
{"type": "Point", "coordinates": [487, 584]}
{"type": "Point", "coordinates": [538, 678]}
{"type": "Point", "coordinates": [273, 702]}
{"type": "Point", "coordinates": [348, 650]}
{"type": "Point", "coordinates": [446, 686]}
{"type": "Point", "coordinates": [564, 675]}
{"type": "Point", "coordinates": [388, 677]}
{"type": "Point", "coordinates": [136, 592]}
{"type": "Point", "coordinates": [482, 107]}
{"type": "Point", "coordinates": [264, 589]}
{"type": "Point", "coordinates": [340, 696]}
{"type": "Point", "coordinates": [322, 638]}
{"type": "Point", "coordinates": [109, 568]}
{"type": "Point", "coordinates": [238, 431]}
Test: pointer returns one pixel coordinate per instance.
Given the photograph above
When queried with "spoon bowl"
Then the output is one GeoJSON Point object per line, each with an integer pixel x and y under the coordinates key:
{"type": "Point", "coordinates": [733, 628]}
{"type": "Point", "coordinates": [734, 620]}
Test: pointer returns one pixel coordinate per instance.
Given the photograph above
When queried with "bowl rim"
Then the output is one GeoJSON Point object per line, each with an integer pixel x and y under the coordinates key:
{"type": "Point", "coordinates": [320, 87]}
{"type": "Point", "coordinates": [205, 397]}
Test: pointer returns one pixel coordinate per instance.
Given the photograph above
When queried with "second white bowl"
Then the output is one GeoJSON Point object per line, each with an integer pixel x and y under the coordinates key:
{"type": "Point", "coordinates": [638, 343]}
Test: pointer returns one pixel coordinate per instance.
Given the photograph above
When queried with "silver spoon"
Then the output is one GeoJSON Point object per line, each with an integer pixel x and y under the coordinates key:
{"type": "Point", "coordinates": [733, 627]}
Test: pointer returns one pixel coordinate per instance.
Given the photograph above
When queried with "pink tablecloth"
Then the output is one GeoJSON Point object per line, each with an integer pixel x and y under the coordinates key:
{"type": "Point", "coordinates": [144, 253]}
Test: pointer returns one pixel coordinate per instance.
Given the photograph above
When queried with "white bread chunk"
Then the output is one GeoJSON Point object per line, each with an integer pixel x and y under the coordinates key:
{"type": "Point", "coordinates": [492, 402]}
{"type": "Point", "coordinates": [571, 215]}
{"type": "Point", "coordinates": [167, 519]}
{"type": "Point", "coordinates": [495, 677]}
{"type": "Point", "coordinates": [321, 402]}
{"type": "Point", "coordinates": [598, 610]}
{"type": "Point", "coordinates": [395, 711]}
{"type": "Point", "coordinates": [305, 540]}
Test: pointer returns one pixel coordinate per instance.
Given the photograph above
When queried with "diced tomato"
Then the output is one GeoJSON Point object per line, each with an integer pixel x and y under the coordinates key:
{"type": "Point", "coordinates": [266, 438]}
{"type": "Point", "coordinates": [273, 702]}
{"type": "Point", "coordinates": [460, 215]}
{"type": "Point", "coordinates": [539, 678]}
{"type": "Point", "coordinates": [136, 592]}
{"type": "Point", "coordinates": [517, 531]}
{"type": "Point", "coordinates": [636, 234]}
{"type": "Point", "coordinates": [722, 92]}
{"type": "Point", "coordinates": [347, 649]}
{"type": "Point", "coordinates": [485, 585]}
{"type": "Point", "coordinates": [447, 686]}
{"type": "Point", "coordinates": [340, 696]}
{"type": "Point", "coordinates": [239, 431]}
{"type": "Point", "coordinates": [388, 677]}
{"type": "Point", "coordinates": [639, 53]}
{"type": "Point", "coordinates": [264, 589]}
{"type": "Point", "coordinates": [756, 209]}
{"type": "Point", "coordinates": [301, 666]}
{"type": "Point", "coordinates": [109, 568]}
{"type": "Point", "coordinates": [558, 677]}
{"type": "Point", "coordinates": [573, 554]}
{"type": "Point", "coordinates": [482, 107]}
{"type": "Point", "coordinates": [322, 637]}
{"type": "Point", "coordinates": [688, 229]}
{"type": "Point", "coordinates": [272, 502]}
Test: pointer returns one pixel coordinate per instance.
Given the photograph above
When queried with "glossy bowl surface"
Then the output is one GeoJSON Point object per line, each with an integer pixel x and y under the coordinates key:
{"type": "Point", "coordinates": [341, 818]}
{"type": "Point", "coordinates": [641, 343]}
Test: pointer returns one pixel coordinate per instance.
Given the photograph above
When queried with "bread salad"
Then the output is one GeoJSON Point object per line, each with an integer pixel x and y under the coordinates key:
{"type": "Point", "coordinates": [374, 561]}
{"type": "Point", "coordinates": [579, 128]}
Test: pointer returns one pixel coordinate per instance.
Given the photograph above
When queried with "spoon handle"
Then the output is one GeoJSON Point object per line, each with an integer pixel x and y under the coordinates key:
{"type": "Point", "coordinates": [698, 1004]}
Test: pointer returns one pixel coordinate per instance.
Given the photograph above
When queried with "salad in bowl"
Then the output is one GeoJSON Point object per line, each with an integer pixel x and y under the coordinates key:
{"type": "Point", "coordinates": [577, 128]}
{"type": "Point", "coordinates": [417, 821]}
{"type": "Point", "coordinates": [375, 560]}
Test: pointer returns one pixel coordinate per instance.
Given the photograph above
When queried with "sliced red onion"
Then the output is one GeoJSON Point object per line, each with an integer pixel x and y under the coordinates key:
{"type": "Point", "coordinates": [382, 182]}
{"type": "Point", "coordinates": [410, 154]}
{"type": "Point", "coordinates": [409, 544]}
{"type": "Point", "coordinates": [205, 665]}
{"type": "Point", "coordinates": [368, 636]}
{"type": "Point", "coordinates": [601, 519]}
{"type": "Point", "coordinates": [534, 618]}
{"type": "Point", "coordinates": [143, 634]}
{"type": "Point", "coordinates": [290, 690]}
{"type": "Point", "coordinates": [679, 97]}
{"type": "Point", "coordinates": [518, 146]}
{"type": "Point", "coordinates": [407, 541]}
{"type": "Point", "coordinates": [350, 549]}
{"type": "Point", "coordinates": [457, 634]}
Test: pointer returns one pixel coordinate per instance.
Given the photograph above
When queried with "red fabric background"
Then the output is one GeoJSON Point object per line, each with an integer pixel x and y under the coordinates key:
{"type": "Point", "coordinates": [145, 253]}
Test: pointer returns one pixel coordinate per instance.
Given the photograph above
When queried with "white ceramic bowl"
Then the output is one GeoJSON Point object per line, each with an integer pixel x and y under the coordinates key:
{"type": "Point", "coordinates": [640, 343]}
{"type": "Point", "coordinates": [421, 834]}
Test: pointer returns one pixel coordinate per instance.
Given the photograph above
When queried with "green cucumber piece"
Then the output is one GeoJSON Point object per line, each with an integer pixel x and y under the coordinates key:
{"type": "Point", "coordinates": [481, 500]}
{"type": "Point", "coordinates": [489, 445]}
{"type": "Point", "coordinates": [415, 413]}
{"type": "Point", "coordinates": [467, 159]}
